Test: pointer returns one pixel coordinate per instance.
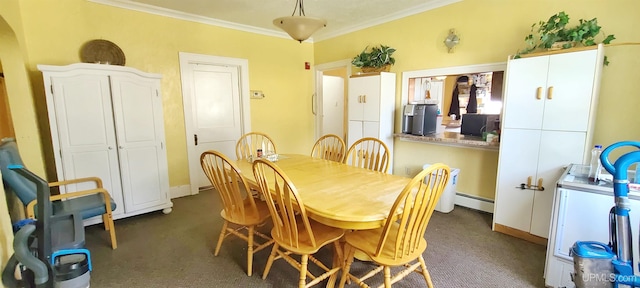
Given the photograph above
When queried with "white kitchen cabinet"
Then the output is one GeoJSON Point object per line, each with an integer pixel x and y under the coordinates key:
{"type": "Point", "coordinates": [107, 121]}
{"type": "Point", "coordinates": [371, 104]}
{"type": "Point", "coordinates": [547, 122]}
{"type": "Point", "coordinates": [581, 213]}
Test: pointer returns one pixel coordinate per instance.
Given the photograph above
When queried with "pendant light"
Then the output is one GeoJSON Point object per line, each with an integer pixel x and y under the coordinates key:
{"type": "Point", "coordinates": [299, 27]}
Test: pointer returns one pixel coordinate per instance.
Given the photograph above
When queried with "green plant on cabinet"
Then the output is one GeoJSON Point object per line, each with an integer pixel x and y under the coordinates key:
{"type": "Point", "coordinates": [555, 33]}
{"type": "Point", "coordinates": [376, 57]}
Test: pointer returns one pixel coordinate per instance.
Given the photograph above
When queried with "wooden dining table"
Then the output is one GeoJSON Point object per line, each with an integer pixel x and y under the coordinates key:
{"type": "Point", "coordinates": [337, 194]}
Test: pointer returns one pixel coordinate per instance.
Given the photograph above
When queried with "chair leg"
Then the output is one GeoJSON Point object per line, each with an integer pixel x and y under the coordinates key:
{"type": "Point", "coordinates": [425, 272]}
{"type": "Point", "coordinates": [105, 221]}
{"type": "Point", "coordinates": [274, 250]}
{"type": "Point", "coordinates": [250, 250]}
{"type": "Point", "coordinates": [112, 230]}
{"type": "Point", "coordinates": [348, 259]}
{"type": "Point", "coordinates": [223, 231]}
{"type": "Point", "coordinates": [387, 277]}
{"type": "Point", "coordinates": [303, 271]}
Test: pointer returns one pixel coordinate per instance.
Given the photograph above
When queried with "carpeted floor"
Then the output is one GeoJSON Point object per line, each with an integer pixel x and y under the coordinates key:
{"type": "Point", "coordinates": [176, 250]}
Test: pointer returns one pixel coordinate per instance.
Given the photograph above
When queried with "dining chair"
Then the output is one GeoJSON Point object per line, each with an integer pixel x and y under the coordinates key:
{"type": "Point", "coordinates": [239, 208]}
{"type": "Point", "coordinates": [292, 230]}
{"type": "Point", "coordinates": [249, 143]}
{"type": "Point", "coordinates": [87, 203]}
{"type": "Point", "coordinates": [401, 240]}
{"type": "Point", "coordinates": [329, 147]}
{"type": "Point", "coordinates": [369, 153]}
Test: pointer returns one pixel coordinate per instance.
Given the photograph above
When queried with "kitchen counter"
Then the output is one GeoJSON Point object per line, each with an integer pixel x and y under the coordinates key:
{"type": "Point", "coordinates": [451, 138]}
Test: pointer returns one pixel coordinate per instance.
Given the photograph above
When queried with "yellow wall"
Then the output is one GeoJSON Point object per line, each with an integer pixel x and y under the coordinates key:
{"type": "Point", "coordinates": [490, 30]}
{"type": "Point", "coordinates": [56, 30]}
{"type": "Point", "coordinates": [52, 32]}
{"type": "Point", "coordinates": [6, 233]}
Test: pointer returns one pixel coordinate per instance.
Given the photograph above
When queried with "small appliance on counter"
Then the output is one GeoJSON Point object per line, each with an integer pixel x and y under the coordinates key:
{"type": "Point", "coordinates": [475, 124]}
{"type": "Point", "coordinates": [407, 118]}
{"type": "Point", "coordinates": [424, 119]}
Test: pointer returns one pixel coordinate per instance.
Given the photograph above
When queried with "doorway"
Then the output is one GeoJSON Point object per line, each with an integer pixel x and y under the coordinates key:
{"type": "Point", "coordinates": [6, 123]}
{"type": "Point", "coordinates": [329, 109]}
{"type": "Point", "coordinates": [215, 97]}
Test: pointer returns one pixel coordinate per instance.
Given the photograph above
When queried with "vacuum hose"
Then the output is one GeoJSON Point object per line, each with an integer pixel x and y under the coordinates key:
{"type": "Point", "coordinates": [24, 255]}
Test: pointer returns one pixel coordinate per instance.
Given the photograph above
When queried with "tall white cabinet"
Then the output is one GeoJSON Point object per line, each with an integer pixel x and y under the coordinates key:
{"type": "Point", "coordinates": [371, 104]}
{"type": "Point", "coordinates": [107, 121]}
{"type": "Point", "coordinates": [547, 122]}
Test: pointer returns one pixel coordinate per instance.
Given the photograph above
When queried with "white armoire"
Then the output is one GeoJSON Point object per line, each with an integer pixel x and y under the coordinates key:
{"type": "Point", "coordinates": [107, 121]}
{"type": "Point", "coordinates": [547, 123]}
{"type": "Point", "coordinates": [371, 104]}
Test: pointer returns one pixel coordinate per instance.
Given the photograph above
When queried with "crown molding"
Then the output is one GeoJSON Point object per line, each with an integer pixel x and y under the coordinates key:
{"type": "Point", "coordinates": [387, 18]}
{"type": "Point", "coordinates": [127, 4]}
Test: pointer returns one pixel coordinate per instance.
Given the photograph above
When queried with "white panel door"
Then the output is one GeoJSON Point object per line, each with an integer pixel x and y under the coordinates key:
{"type": "Point", "coordinates": [216, 111]}
{"type": "Point", "coordinates": [558, 149]}
{"type": "Point", "coordinates": [518, 161]}
{"type": "Point", "coordinates": [355, 132]}
{"type": "Point", "coordinates": [85, 132]}
{"type": "Point", "coordinates": [525, 93]}
{"type": "Point", "coordinates": [138, 117]}
{"type": "Point", "coordinates": [570, 87]}
{"type": "Point", "coordinates": [333, 105]}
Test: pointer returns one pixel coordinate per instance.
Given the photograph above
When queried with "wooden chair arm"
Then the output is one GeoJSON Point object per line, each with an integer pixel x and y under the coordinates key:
{"type": "Point", "coordinates": [97, 180]}
{"type": "Point", "coordinates": [30, 213]}
{"type": "Point", "coordinates": [107, 198]}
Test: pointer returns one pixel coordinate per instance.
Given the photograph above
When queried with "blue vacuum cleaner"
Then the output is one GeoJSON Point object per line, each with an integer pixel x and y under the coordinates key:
{"type": "Point", "coordinates": [611, 265]}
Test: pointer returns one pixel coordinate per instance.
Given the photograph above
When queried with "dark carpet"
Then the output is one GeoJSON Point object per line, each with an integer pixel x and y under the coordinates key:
{"type": "Point", "coordinates": [176, 250]}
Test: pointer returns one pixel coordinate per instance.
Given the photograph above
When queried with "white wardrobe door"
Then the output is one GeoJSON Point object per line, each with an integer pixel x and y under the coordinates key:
{"type": "Point", "coordinates": [518, 161]}
{"type": "Point", "coordinates": [558, 149]}
{"type": "Point", "coordinates": [526, 81]}
{"type": "Point", "coordinates": [139, 132]}
{"type": "Point", "coordinates": [571, 77]}
{"type": "Point", "coordinates": [85, 132]}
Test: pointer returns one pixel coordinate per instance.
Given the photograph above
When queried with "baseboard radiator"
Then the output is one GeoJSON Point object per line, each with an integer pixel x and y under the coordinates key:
{"type": "Point", "coordinates": [474, 202]}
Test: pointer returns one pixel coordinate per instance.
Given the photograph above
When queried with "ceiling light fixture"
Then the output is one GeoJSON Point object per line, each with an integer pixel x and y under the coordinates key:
{"type": "Point", "coordinates": [299, 27]}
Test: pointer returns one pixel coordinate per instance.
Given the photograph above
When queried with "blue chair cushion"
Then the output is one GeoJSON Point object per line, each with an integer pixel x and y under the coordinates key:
{"type": "Point", "coordinates": [88, 206]}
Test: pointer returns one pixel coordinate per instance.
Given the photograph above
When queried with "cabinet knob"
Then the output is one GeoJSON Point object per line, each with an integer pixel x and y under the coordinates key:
{"type": "Point", "coordinates": [121, 147]}
{"type": "Point", "coordinates": [110, 148]}
{"type": "Point", "coordinates": [550, 92]}
{"type": "Point", "coordinates": [539, 93]}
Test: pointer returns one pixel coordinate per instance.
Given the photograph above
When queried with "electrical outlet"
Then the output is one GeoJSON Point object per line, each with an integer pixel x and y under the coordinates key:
{"type": "Point", "coordinates": [257, 94]}
{"type": "Point", "coordinates": [407, 171]}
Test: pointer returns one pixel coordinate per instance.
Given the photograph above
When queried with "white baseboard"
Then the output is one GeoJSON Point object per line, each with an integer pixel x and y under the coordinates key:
{"type": "Point", "coordinates": [180, 191]}
{"type": "Point", "coordinates": [474, 202]}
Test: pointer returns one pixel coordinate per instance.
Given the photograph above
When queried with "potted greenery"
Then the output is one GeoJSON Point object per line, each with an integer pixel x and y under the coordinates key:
{"type": "Point", "coordinates": [555, 33]}
{"type": "Point", "coordinates": [376, 60]}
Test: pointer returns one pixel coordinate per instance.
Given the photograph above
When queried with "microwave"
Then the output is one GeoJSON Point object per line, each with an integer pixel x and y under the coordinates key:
{"type": "Point", "coordinates": [476, 124]}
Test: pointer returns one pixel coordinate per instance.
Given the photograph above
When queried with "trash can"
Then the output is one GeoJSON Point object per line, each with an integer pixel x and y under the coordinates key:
{"type": "Point", "coordinates": [448, 197]}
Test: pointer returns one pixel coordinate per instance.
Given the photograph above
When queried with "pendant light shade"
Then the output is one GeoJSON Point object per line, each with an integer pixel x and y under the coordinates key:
{"type": "Point", "coordinates": [299, 27]}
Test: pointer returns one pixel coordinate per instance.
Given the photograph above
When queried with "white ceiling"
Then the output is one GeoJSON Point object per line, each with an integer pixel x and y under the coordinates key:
{"type": "Point", "coordinates": [343, 16]}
